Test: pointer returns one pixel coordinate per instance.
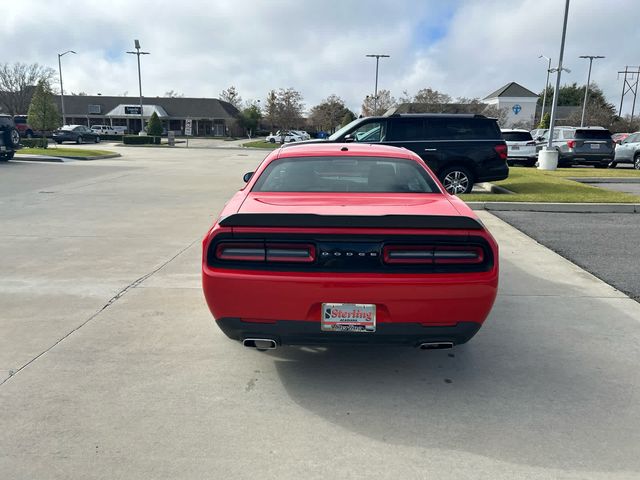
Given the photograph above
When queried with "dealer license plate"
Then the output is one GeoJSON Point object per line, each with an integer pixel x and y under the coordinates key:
{"type": "Point", "coordinates": [595, 145]}
{"type": "Point", "coordinates": [514, 147]}
{"type": "Point", "coordinates": [348, 317]}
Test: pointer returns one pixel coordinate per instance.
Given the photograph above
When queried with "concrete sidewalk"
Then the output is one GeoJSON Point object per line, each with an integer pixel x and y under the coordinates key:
{"type": "Point", "coordinates": [121, 372]}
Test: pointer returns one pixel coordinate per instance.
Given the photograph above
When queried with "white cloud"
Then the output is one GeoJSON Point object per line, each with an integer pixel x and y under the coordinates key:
{"type": "Point", "coordinates": [465, 47]}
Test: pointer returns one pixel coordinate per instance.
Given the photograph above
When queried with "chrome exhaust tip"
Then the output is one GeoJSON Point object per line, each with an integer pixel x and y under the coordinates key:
{"type": "Point", "coordinates": [435, 345]}
{"type": "Point", "coordinates": [260, 343]}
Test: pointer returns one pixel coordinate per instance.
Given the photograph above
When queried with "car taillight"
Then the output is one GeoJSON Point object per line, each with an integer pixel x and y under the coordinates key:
{"type": "Point", "coordinates": [571, 143]}
{"type": "Point", "coordinates": [269, 252]}
{"type": "Point", "coordinates": [430, 254]}
{"type": "Point", "coordinates": [530, 144]}
{"type": "Point", "coordinates": [502, 151]}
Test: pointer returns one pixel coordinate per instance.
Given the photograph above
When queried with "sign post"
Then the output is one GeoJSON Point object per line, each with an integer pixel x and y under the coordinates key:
{"type": "Point", "coordinates": [187, 129]}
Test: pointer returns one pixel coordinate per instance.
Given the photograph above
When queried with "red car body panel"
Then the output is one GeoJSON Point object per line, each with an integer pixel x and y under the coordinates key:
{"type": "Point", "coordinates": [255, 298]}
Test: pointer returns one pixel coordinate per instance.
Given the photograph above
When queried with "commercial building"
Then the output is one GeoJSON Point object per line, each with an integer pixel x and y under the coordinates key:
{"type": "Point", "coordinates": [209, 116]}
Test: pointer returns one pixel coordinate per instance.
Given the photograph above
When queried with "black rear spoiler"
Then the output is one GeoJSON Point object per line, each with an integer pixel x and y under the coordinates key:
{"type": "Point", "coordinates": [308, 220]}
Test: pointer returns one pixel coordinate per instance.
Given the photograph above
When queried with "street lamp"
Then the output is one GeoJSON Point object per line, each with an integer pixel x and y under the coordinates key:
{"type": "Point", "coordinates": [546, 86]}
{"type": "Point", "coordinates": [586, 89]}
{"type": "Point", "coordinates": [60, 55]}
{"type": "Point", "coordinates": [138, 53]}
{"type": "Point", "coordinates": [375, 94]}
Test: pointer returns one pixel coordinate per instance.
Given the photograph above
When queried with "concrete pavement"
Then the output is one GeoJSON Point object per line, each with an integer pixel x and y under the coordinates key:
{"type": "Point", "coordinates": [118, 371]}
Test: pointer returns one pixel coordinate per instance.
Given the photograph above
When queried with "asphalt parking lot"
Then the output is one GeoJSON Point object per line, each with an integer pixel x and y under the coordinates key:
{"type": "Point", "coordinates": [604, 244]}
{"type": "Point", "coordinates": [111, 366]}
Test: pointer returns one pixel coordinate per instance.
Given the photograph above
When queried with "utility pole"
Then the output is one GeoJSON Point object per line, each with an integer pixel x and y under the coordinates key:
{"type": "Point", "coordinates": [546, 86]}
{"type": "Point", "coordinates": [586, 89]}
{"type": "Point", "coordinates": [629, 85]}
{"type": "Point", "coordinates": [138, 53]}
{"type": "Point", "coordinates": [375, 94]}
{"type": "Point", "coordinates": [60, 55]}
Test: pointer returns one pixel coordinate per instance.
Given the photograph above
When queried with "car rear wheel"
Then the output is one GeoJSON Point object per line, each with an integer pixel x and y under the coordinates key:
{"type": "Point", "coordinates": [14, 135]}
{"type": "Point", "coordinates": [613, 164]}
{"type": "Point", "coordinates": [636, 162]}
{"type": "Point", "coordinates": [79, 139]}
{"type": "Point", "coordinates": [272, 140]}
{"type": "Point", "coordinates": [97, 139]}
{"type": "Point", "coordinates": [456, 180]}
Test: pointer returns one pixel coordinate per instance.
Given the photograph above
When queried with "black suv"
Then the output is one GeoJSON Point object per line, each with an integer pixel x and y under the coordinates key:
{"type": "Point", "coordinates": [460, 149]}
{"type": "Point", "coordinates": [9, 138]}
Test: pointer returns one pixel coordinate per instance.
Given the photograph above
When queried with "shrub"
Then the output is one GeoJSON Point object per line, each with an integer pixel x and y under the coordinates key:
{"type": "Point", "coordinates": [154, 127]}
{"type": "Point", "coordinates": [34, 142]}
{"type": "Point", "coordinates": [140, 140]}
{"type": "Point", "coordinates": [111, 137]}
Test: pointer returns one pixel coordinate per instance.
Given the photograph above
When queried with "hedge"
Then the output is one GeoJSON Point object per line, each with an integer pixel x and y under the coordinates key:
{"type": "Point", "coordinates": [111, 137]}
{"type": "Point", "coordinates": [140, 140]}
{"type": "Point", "coordinates": [34, 142]}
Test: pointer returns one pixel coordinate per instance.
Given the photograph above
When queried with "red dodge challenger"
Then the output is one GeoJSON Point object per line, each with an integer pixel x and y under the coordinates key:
{"type": "Point", "coordinates": [348, 244]}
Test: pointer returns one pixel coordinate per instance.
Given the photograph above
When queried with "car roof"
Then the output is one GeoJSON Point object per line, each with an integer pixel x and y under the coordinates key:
{"type": "Point", "coordinates": [431, 115]}
{"type": "Point", "coordinates": [330, 149]}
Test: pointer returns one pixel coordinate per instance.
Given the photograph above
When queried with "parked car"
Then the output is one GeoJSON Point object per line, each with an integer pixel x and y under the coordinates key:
{"type": "Point", "coordinates": [522, 147]}
{"type": "Point", "coordinates": [460, 149]}
{"type": "Point", "coordinates": [289, 137]}
{"type": "Point", "coordinates": [348, 244]}
{"type": "Point", "coordinates": [104, 130]}
{"type": "Point", "coordinates": [581, 146]}
{"type": "Point", "coordinates": [9, 138]}
{"type": "Point", "coordinates": [628, 151]}
{"type": "Point", "coordinates": [23, 126]}
{"type": "Point", "coordinates": [75, 133]}
{"type": "Point", "coordinates": [538, 132]}
{"type": "Point", "coordinates": [619, 137]}
{"type": "Point", "coordinates": [302, 134]}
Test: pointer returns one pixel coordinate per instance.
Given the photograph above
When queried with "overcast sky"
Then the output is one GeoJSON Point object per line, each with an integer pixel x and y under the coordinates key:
{"type": "Point", "coordinates": [461, 47]}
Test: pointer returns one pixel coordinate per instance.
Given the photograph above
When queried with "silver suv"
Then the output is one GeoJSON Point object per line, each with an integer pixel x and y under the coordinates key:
{"type": "Point", "coordinates": [9, 138]}
{"type": "Point", "coordinates": [581, 146]}
{"type": "Point", "coordinates": [628, 151]}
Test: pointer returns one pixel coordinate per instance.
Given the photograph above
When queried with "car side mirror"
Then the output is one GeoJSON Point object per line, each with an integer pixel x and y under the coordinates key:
{"type": "Point", "coordinates": [348, 138]}
{"type": "Point", "coordinates": [247, 176]}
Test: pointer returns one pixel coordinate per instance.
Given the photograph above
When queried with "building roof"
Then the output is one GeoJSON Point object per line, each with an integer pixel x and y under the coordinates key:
{"type": "Point", "coordinates": [179, 107]}
{"type": "Point", "coordinates": [512, 89]}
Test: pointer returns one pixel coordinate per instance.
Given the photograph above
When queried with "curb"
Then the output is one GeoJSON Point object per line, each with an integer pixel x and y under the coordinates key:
{"type": "Point", "coordinates": [45, 158]}
{"type": "Point", "coordinates": [556, 207]}
{"type": "Point", "coordinates": [605, 179]}
{"type": "Point", "coordinates": [491, 188]}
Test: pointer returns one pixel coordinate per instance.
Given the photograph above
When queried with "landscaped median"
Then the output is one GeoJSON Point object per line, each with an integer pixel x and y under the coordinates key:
{"type": "Point", "coordinates": [261, 144]}
{"type": "Point", "coordinates": [58, 152]}
{"type": "Point", "coordinates": [542, 186]}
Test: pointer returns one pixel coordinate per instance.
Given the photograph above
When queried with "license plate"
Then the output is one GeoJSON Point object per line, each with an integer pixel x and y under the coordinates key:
{"type": "Point", "coordinates": [348, 317]}
{"type": "Point", "coordinates": [595, 145]}
{"type": "Point", "coordinates": [515, 147]}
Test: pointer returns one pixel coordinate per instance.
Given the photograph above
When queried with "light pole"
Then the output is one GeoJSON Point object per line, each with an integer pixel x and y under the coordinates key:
{"type": "Point", "coordinates": [546, 86]}
{"type": "Point", "coordinates": [586, 89]}
{"type": "Point", "coordinates": [60, 55]}
{"type": "Point", "coordinates": [375, 94]}
{"type": "Point", "coordinates": [138, 53]}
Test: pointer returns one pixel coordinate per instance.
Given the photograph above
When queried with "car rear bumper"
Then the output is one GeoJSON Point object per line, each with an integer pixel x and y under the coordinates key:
{"type": "Point", "coordinates": [586, 159]}
{"type": "Point", "coordinates": [495, 173]}
{"type": "Point", "coordinates": [291, 332]}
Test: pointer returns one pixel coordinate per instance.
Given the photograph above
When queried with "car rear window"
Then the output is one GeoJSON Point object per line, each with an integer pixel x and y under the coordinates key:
{"type": "Point", "coordinates": [517, 136]}
{"type": "Point", "coordinates": [593, 134]}
{"type": "Point", "coordinates": [448, 128]}
{"type": "Point", "coordinates": [345, 174]}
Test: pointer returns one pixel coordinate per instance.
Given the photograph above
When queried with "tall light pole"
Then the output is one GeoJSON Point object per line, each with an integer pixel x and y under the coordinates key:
{"type": "Point", "coordinates": [60, 55]}
{"type": "Point", "coordinates": [138, 53]}
{"type": "Point", "coordinates": [546, 86]}
{"type": "Point", "coordinates": [375, 94]}
{"type": "Point", "coordinates": [586, 89]}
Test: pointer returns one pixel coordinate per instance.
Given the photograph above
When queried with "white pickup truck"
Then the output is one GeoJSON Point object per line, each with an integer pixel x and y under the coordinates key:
{"type": "Point", "coordinates": [108, 130]}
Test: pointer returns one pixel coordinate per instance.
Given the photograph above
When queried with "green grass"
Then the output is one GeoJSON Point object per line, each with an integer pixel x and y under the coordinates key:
{"type": "Point", "coordinates": [261, 144]}
{"type": "Point", "coordinates": [533, 185]}
{"type": "Point", "coordinates": [63, 152]}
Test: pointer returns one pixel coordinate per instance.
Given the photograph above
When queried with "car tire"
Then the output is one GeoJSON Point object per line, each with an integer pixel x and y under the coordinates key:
{"type": "Point", "coordinates": [97, 139]}
{"type": "Point", "coordinates": [613, 164]}
{"type": "Point", "coordinates": [59, 142]}
{"type": "Point", "coordinates": [272, 140]}
{"type": "Point", "coordinates": [636, 162]}
{"type": "Point", "coordinates": [456, 180]}
{"type": "Point", "coordinates": [29, 134]}
{"type": "Point", "coordinates": [79, 139]}
{"type": "Point", "coordinates": [14, 135]}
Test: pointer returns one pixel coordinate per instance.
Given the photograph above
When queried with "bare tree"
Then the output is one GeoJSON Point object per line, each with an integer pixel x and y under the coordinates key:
{"type": "Point", "coordinates": [432, 97]}
{"type": "Point", "coordinates": [17, 83]}
{"type": "Point", "coordinates": [384, 103]}
{"type": "Point", "coordinates": [232, 96]}
{"type": "Point", "coordinates": [173, 94]}
{"type": "Point", "coordinates": [289, 108]}
{"type": "Point", "coordinates": [271, 108]}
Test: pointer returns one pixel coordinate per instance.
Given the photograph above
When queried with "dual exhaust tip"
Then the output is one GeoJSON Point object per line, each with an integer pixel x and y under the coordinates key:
{"type": "Point", "coordinates": [270, 344]}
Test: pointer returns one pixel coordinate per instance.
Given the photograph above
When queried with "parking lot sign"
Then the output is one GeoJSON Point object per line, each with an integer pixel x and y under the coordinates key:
{"type": "Point", "coordinates": [187, 127]}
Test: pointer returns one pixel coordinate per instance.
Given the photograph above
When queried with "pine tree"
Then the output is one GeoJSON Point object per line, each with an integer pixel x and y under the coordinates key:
{"type": "Point", "coordinates": [154, 126]}
{"type": "Point", "coordinates": [43, 113]}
